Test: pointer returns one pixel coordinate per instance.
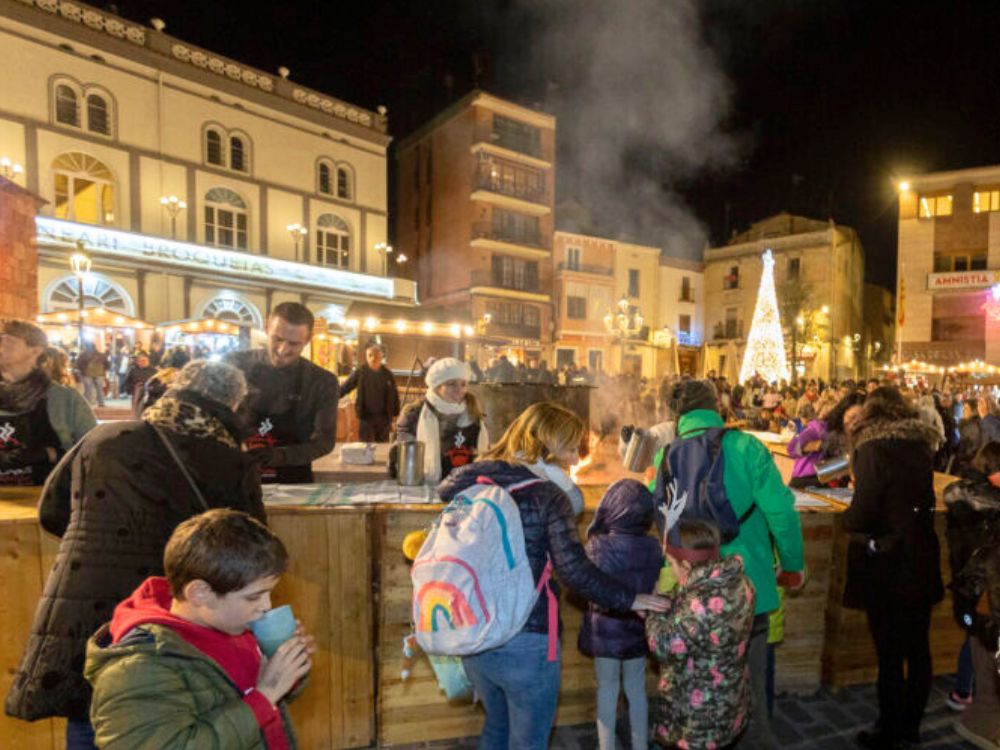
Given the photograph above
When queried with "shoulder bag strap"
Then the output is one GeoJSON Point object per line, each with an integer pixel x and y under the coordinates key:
{"type": "Point", "coordinates": [180, 464]}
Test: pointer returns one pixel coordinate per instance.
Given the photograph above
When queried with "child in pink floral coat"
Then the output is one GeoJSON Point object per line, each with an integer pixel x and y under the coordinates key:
{"type": "Point", "coordinates": [703, 697]}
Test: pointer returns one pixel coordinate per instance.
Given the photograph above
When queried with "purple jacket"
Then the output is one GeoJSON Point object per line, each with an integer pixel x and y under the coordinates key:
{"type": "Point", "coordinates": [618, 544]}
{"type": "Point", "coordinates": [805, 463]}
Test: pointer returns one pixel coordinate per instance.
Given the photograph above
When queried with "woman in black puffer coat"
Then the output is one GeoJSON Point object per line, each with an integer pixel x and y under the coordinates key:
{"type": "Point", "coordinates": [974, 555]}
{"type": "Point", "coordinates": [518, 684]}
{"type": "Point", "coordinates": [114, 500]}
{"type": "Point", "coordinates": [618, 543]}
{"type": "Point", "coordinates": [892, 515]}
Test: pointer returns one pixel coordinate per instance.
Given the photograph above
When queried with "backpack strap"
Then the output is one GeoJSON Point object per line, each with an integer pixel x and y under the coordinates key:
{"type": "Point", "coordinates": [553, 608]}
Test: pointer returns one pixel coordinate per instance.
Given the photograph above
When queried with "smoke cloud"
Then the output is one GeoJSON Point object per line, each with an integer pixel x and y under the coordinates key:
{"type": "Point", "coordinates": [642, 104]}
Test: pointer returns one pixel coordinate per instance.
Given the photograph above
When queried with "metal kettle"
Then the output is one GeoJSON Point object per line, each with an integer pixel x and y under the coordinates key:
{"type": "Point", "coordinates": [410, 463]}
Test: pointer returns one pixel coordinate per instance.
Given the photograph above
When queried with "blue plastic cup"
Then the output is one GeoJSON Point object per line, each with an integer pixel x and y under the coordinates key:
{"type": "Point", "coordinates": [274, 628]}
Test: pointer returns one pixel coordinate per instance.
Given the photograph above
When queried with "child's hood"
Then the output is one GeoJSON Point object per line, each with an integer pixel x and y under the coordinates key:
{"type": "Point", "coordinates": [148, 603]}
{"type": "Point", "coordinates": [626, 508]}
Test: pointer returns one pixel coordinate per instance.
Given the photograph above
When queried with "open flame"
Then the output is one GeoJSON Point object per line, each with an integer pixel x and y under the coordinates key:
{"type": "Point", "coordinates": [588, 447]}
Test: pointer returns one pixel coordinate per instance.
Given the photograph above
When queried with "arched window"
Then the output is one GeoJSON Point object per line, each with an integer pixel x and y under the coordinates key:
{"type": "Point", "coordinates": [67, 106]}
{"type": "Point", "coordinates": [98, 120]}
{"type": "Point", "coordinates": [343, 183]}
{"type": "Point", "coordinates": [325, 182]}
{"type": "Point", "coordinates": [98, 291]}
{"type": "Point", "coordinates": [225, 219]}
{"type": "Point", "coordinates": [333, 241]}
{"type": "Point", "coordinates": [84, 189]}
{"type": "Point", "coordinates": [213, 147]}
{"type": "Point", "coordinates": [232, 309]}
{"type": "Point", "coordinates": [237, 154]}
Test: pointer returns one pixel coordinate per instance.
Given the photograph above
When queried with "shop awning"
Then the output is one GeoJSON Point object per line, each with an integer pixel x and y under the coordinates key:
{"type": "Point", "coordinates": [95, 317]}
{"type": "Point", "coordinates": [195, 326]}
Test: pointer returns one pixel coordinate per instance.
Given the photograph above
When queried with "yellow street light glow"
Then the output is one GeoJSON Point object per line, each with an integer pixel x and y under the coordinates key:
{"type": "Point", "coordinates": [468, 330]}
{"type": "Point", "coordinates": [352, 322]}
{"type": "Point", "coordinates": [371, 323]}
{"type": "Point", "coordinates": [456, 330]}
{"type": "Point", "coordinates": [401, 326]}
{"type": "Point", "coordinates": [427, 328]}
{"type": "Point", "coordinates": [904, 186]}
{"type": "Point", "coordinates": [825, 309]}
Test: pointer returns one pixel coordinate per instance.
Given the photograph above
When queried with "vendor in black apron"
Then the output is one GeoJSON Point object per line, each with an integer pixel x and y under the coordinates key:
{"type": "Point", "coordinates": [29, 443]}
{"type": "Point", "coordinates": [291, 409]}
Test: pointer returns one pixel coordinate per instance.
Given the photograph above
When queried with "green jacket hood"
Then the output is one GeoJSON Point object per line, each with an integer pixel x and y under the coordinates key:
{"type": "Point", "coordinates": [698, 419]}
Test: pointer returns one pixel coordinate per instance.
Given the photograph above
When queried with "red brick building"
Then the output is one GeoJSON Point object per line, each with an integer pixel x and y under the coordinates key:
{"type": "Point", "coordinates": [18, 255]}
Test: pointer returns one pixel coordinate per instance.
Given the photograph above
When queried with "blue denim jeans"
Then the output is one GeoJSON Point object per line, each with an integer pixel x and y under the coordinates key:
{"type": "Point", "coordinates": [965, 679]}
{"type": "Point", "coordinates": [519, 689]}
{"type": "Point", "coordinates": [79, 735]}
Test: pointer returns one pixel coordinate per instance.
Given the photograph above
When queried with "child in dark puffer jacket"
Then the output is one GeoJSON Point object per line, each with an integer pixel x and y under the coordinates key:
{"type": "Point", "coordinates": [618, 544]}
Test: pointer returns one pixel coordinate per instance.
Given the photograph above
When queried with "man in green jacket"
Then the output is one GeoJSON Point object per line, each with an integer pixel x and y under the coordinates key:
{"type": "Point", "coordinates": [750, 476]}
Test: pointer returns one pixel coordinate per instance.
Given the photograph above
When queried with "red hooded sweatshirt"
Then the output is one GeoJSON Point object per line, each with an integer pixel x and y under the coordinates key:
{"type": "Point", "coordinates": [237, 655]}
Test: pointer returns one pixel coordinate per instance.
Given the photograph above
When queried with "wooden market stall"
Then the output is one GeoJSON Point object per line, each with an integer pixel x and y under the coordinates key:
{"type": "Point", "coordinates": [99, 324]}
{"type": "Point", "coordinates": [349, 583]}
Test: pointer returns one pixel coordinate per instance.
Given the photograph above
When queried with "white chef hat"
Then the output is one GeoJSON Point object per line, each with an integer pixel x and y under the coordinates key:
{"type": "Point", "coordinates": [445, 369]}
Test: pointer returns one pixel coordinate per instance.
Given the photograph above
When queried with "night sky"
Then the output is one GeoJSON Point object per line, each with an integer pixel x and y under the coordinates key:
{"type": "Point", "coordinates": [678, 122]}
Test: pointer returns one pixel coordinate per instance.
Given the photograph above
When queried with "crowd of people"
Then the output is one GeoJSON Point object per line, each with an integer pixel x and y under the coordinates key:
{"type": "Point", "coordinates": [140, 638]}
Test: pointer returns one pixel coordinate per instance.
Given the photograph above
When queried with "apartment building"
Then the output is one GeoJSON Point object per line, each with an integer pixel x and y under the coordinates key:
{"type": "Point", "coordinates": [949, 267]}
{"type": "Point", "coordinates": [474, 209]}
{"type": "Point", "coordinates": [819, 260]}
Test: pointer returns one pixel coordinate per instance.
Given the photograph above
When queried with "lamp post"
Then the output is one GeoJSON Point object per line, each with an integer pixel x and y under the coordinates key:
{"type": "Point", "coordinates": [11, 170]}
{"type": "Point", "coordinates": [385, 250]}
{"type": "Point", "coordinates": [174, 206]}
{"type": "Point", "coordinates": [297, 232]}
{"type": "Point", "coordinates": [624, 324]}
{"type": "Point", "coordinates": [80, 263]}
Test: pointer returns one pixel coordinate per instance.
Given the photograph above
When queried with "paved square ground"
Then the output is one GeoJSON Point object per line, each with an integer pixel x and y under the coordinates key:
{"type": "Point", "coordinates": [823, 721]}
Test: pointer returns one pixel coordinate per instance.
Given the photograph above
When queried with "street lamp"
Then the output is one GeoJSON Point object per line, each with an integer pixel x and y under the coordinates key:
{"type": "Point", "coordinates": [174, 206]}
{"type": "Point", "coordinates": [80, 263]}
{"type": "Point", "coordinates": [11, 170]}
{"type": "Point", "coordinates": [385, 250]}
{"type": "Point", "coordinates": [297, 231]}
{"type": "Point", "coordinates": [625, 324]}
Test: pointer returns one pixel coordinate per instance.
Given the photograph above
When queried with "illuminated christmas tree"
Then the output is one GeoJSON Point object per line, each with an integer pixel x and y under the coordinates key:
{"type": "Point", "coordinates": [765, 354]}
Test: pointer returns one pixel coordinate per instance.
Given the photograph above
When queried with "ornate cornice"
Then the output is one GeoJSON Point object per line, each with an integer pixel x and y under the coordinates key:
{"type": "Point", "coordinates": [95, 19]}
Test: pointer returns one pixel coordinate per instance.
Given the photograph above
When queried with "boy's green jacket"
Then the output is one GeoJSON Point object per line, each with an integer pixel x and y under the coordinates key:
{"type": "Point", "coordinates": [750, 475]}
{"type": "Point", "coordinates": [157, 690]}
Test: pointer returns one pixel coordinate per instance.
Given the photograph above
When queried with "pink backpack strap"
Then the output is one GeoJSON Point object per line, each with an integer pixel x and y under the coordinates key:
{"type": "Point", "coordinates": [553, 607]}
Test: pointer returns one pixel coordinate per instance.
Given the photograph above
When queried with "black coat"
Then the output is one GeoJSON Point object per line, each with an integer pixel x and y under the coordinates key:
{"type": "Point", "coordinates": [892, 514]}
{"type": "Point", "coordinates": [549, 531]}
{"type": "Point", "coordinates": [364, 403]}
{"type": "Point", "coordinates": [114, 499]}
{"type": "Point", "coordinates": [973, 541]}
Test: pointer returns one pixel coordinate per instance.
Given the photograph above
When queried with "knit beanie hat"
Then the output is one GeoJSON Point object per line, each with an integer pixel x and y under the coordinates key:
{"type": "Point", "coordinates": [445, 369]}
{"type": "Point", "coordinates": [689, 395]}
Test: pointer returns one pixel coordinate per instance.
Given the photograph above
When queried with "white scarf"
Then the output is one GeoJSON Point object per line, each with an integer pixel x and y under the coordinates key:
{"type": "Point", "coordinates": [561, 479]}
{"type": "Point", "coordinates": [429, 432]}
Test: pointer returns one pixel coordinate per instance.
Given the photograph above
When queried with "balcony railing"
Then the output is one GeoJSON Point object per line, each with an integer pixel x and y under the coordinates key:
{"type": "Point", "coordinates": [689, 297]}
{"type": "Point", "coordinates": [493, 279]}
{"type": "Point", "coordinates": [731, 329]}
{"type": "Point", "coordinates": [486, 178]}
{"type": "Point", "coordinates": [523, 144]}
{"type": "Point", "coordinates": [586, 268]}
{"type": "Point", "coordinates": [514, 330]}
{"type": "Point", "coordinates": [484, 230]}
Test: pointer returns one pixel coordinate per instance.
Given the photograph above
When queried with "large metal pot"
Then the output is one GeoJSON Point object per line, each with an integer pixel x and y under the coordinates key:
{"type": "Point", "coordinates": [503, 402]}
{"type": "Point", "coordinates": [410, 462]}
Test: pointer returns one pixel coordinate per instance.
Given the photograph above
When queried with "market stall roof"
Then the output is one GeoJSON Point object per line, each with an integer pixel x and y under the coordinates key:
{"type": "Point", "coordinates": [973, 367]}
{"type": "Point", "coordinates": [404, 327]}
{"type": "Point", "coordinates": [97, 317]}
{"type": "Point", "coordinates": [203, 325]}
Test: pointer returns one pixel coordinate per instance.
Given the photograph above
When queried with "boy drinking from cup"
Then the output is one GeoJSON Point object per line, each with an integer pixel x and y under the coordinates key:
{"type": "Point", "coordinates": [178, 666]}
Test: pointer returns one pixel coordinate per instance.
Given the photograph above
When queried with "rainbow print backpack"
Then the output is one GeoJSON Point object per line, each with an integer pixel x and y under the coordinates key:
{"type": "Point", "coordinates": [473, 588]}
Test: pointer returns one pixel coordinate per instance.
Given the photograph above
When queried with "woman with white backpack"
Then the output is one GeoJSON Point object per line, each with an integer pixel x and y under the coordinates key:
{"type": "Point", "coordinates": [518, 681]}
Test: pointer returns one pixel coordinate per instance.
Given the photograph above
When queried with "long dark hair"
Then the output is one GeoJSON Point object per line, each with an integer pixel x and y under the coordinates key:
{"type": "Point", "coordinates": [835, 419]}
{"type": "Point", "coordinates": [887, 403]}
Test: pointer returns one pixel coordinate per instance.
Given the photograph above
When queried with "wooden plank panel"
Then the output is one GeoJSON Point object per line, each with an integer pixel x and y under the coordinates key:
{"type": "Point", "coordinates": [352, 608]}
{"type": "Point", "coordinates": [22, 577]}
{"type": "Point", "coordinates": [306, 586]}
